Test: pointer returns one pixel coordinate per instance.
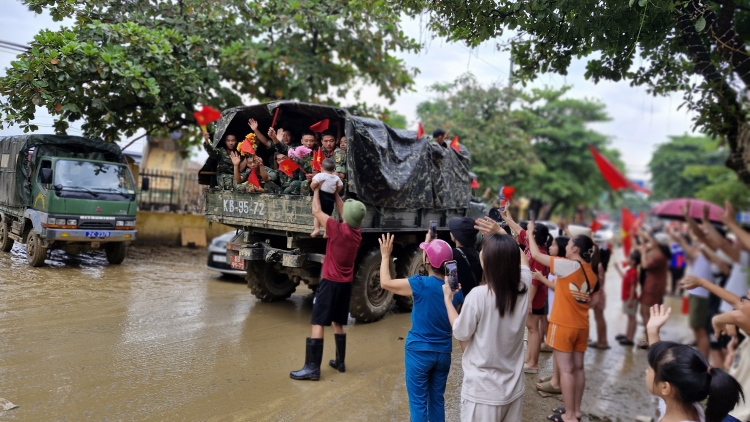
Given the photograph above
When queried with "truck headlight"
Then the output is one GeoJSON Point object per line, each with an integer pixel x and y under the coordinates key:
{"type": "Point", "coordinates": [120, 223]}
{"type": "Point", "coordinates": [60, 221]}
{"type": "Point", "coordinates": [130, 223]}
{"type": "Point", "coordinates": [72, 222]}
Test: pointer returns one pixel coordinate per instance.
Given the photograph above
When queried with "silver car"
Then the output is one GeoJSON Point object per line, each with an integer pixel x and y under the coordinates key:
{"type": "Point", "coordinates": [217, 255]}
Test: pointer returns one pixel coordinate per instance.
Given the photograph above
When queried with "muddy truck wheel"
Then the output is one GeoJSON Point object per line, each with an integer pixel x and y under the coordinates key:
{"type": "Point", "coordinates": [6, 243]}
{"type": "Point", "coordinates": [409, 262]}
{"type": "Point", "coordinates": [267, 284]}
{"type": "Point", "coordinates": [369, 301]}
{"type": "Point", "coordinates": [36, 253]}
{"type": "Point", "coordinates": [115, 253]}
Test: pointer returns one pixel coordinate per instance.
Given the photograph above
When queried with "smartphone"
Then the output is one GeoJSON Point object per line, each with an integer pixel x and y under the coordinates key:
{"type": "Point", "coordinates": [451, 271]}
{"type": "Point", "coordinates": [433, 229]}
{"type": "Point", "coordinates": [532, 215]}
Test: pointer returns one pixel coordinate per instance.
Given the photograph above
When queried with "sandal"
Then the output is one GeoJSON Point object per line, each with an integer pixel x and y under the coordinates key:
{"type": "Point", "coordinates": [626, 342]}
{"type": "Point", "coordinates": [545, 379]}
{"type": "Point", "coordinates": [559, 410]}
{"type": "Point", "coordinates": [555, 417]}
{"type": "Point", "coordinates": [548, 388]}
{"type": "Point", "coordinates": [643, 345]}
{"type": "Point", "coordinates": [529, 370]}
{"type": "Point", "coordinates": [620, 337]}
{"type": "Point", "coordinates": [594, 345]}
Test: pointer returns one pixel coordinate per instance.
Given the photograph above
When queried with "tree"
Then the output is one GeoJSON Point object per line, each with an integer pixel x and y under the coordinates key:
{"type": "Point", "coordinates": [699, 47]}
{"type": "Point", "coordinates": [670, 160]}
{"type": "Point", "coordinates": [482, 119]}
{"type": "Point", "coordinates": [146, 64]}
{"type": "Point", "coordinates": [691, 167]}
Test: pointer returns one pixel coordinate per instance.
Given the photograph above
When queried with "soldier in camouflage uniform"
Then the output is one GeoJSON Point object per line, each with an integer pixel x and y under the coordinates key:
{"type": "Point", "coordinates": [308, 141]}
{"type": "Point", "coordinates": [339, 156]}
{"type": "Point", "coordinates": [225, 169]}
{"type": "Point", "coordinates": [291, 185]}
{"type": "Point", "coordinates": [329, 146]}
{"type": "Point", "coordinates": [266, 176]}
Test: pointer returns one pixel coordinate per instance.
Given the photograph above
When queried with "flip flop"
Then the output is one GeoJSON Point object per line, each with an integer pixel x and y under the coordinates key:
{"type": "Point", "coordinates": [548, 388]}
{"type": "Point", "coordinates": [555, 417]}
{"type": "Point", "coordinates": [593, 345]}
{"type": "Point", "coordinates": [620, 337]}
{"type": "Point", "coordinates": [559, 410]}
{"type": "Point", "coordinates": [626, 342]}
{"type": "Point", "coordinates": [529, 370]}
{"type": "Point", "coordinates": [545, 379]}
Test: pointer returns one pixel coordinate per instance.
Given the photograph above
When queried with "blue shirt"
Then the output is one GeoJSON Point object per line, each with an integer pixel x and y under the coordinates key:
{"type": "Point", "coordinates": [430, 328]}
{"type": "Point", "coordinates": [458, 298]}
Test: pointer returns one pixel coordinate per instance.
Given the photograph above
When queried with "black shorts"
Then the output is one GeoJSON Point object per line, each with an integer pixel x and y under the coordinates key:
{"type": "Point", "coordinates": [540, 311]}
{"type": "Point", "coordinates": [327, 202]}
{"type": "Point", "coordinates": [331, 303]}
{"type": "Point", "coordinates": [721, 343]}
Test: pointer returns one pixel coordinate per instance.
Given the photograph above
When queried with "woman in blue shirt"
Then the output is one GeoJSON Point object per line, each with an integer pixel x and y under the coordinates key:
{"type": "Point", "coordinates": [427, 354]}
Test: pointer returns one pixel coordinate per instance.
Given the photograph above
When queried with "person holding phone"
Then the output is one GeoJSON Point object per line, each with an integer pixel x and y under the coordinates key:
{"type": "Point", "coordinates": [493, 319]}
{"type": "Point", "coordinates": [428, 347]}
{"type": "Point", "coordinates": [464, 235]}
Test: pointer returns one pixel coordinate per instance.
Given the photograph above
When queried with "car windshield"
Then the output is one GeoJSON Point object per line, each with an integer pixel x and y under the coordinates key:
{"type": "Point", "coordinates": [96, 177]}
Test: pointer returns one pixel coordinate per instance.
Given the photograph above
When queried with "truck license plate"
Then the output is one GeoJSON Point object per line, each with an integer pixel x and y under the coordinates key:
{"type": "Point", "coordinates": [236, 262]}
{"type": "Point", "coordinates": [99, 235]}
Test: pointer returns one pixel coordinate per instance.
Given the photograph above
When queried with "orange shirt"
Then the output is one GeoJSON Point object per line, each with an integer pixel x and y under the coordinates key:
{"type": "Point", "coordinates": [572, 292]}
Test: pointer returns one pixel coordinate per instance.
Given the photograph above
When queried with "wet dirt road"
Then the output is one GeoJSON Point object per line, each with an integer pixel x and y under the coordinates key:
{"type": "Point", "coordinates": [162, 338]}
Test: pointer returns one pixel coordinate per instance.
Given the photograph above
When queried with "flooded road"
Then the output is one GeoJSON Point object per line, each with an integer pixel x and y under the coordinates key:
{"type": "Point", "coordinates": [162, 338]}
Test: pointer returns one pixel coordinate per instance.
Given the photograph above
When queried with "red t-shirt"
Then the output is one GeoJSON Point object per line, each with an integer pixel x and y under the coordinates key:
{"type": "Point", "coordinates": [629, 281]}
{"type": "Point", "coordinates": [540, 298]}
{"type": "Point", "coordinates": [341, 251]}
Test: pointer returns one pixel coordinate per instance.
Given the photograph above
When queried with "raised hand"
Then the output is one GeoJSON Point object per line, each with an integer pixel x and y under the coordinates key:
{"type": "Point", "coordinates": [659, 317]}
{"type": "Point", "coordinates": [206, 138]}
{"type": "Point", "coordinates": [386, 245]}
{"type": "Point", "coordinates": [537, 275]}
{"type": "Point", "coordinates": [729, 213]}
{"type": "Point", "coordinates": [236, 159]}
{"type": "Point", "coordinates": [272, 133]}
{"type": "Point", "coordinates": [487, 225]}
{"type": "Point", "coordinates": [530, 227]}
{"type": "Point", "coordinates": [691, 282]}
{"type": "Point", "coordinates": [686, 210]}
{"type": "Point", "coordinates": [706, 212]}
{"type": "Point", "coordinates": [253, 124]}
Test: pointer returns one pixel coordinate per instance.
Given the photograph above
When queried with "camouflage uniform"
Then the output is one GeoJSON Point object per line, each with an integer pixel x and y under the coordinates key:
{"type": "Point", "coordinates": [224, 169]}
{"type": "Point", "coordinates": [339, 156]}
{"type": "Point", "coordinates": [266, 187]}
{"type": "Point", "coordinates": [306, 164]}
{"type": "Point", "coordinates": [292, 185]}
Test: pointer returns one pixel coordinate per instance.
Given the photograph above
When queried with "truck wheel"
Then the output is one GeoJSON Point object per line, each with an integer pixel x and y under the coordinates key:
{"type": "Point", "coordinates": [115, 253]}
{"type": "Point", "coordinates": [267, 284]}
{"type": "Point", "coordinates": [36, 253]}
{"type": "Point", "coordinates": [6, 243]}
{"type": "Point", "coordinates": [409, 262]}
{"type": "Point", "coordinates": [369, 301]}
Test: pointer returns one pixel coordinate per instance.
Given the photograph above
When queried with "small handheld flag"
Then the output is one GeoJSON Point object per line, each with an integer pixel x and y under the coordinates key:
{"type": "Point", "coordinates": [246, 146]}
{"type": "Point", "coordinates": [420, 131]}
{"type": "Point", "coordinates": [288, 167]}
{"type": "Point", "coordinates": [455, 145]}
{"type": "Point", "coordinates": [474, 184]}
{"type": "Point", "coordinates": [253, 179]}
{"type": "Point", "coordinates": [317, 162]}
{"type": "Point", "coordinates": [321, 126]}
{"type": "Point", "coordinates": [595, 226]}
{"type": "Point", "coordinates": [205, 116]}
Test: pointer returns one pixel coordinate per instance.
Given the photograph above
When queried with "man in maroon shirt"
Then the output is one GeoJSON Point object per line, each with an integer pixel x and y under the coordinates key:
{"type": "Point", "coordinates": [331, 303]}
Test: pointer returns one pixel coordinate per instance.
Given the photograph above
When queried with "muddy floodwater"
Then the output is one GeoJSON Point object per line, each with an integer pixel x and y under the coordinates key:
{"type": "Point", "coordinates": [162, 338]}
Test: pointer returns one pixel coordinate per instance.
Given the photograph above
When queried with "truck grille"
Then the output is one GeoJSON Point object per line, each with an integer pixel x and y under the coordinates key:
{"type": "Point", "coordinates": [96, 225]}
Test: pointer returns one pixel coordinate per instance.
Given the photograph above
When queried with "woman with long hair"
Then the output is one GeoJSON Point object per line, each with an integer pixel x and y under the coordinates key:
{"type": "Point", "coordinates": [568, 331]}
{"type": "Point", "coordinates": [493, 319]}
{"type": "Point", "coordinates": [655, 263]}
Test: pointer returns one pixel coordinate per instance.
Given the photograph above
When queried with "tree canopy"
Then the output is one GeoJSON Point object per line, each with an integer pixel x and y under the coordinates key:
{"type": "Point", "coordinates": [536, 141]}
{"type": "Point", "coordinates": [699, 47]}
{"type": "Point", "coordinates": [124, 66]}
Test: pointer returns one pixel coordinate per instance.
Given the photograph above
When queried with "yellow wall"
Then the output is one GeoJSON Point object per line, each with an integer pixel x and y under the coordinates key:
{"type": "Point", "coordinates": [164, 228]}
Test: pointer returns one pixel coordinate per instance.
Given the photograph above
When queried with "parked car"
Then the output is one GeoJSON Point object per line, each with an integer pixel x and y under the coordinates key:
{"type": "Point", "coordinates": [606, 234]}
{"type": "Point", "coordinates": [217, 255]}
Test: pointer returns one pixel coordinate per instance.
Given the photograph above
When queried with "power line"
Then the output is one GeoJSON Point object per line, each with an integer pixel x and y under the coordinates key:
{"type": "Point", "coordinates": [13, 46]}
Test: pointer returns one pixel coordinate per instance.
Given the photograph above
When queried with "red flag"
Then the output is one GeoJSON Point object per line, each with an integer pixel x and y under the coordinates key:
{"type": "Point", "coordinates": [455, 145]}
{"type": "Point", "coordinates": [253, 179]}
{"type": "Point", "coordinates": [610, 173]}
{"type": "Point", "coordinates": [206, 116]}
{"type": "Point", "coordinates": [246, 146]}
{"type": "Point", "coordinates": [288, 167]}
{"type": "Point", "coordinates": [508, 192]}
{"type": "Point", "coordinates": [628, 222]}
{"type": "Point", "coordinates": [321, 126]}
{"type": "Point", "coordinates": [420, 131]}
{"type": "Point", "coordinates": [595, 226]}
{"type": "Point", "coordinates": [317, 159]}
{"type": "Point", "coordinates": [474, 184]}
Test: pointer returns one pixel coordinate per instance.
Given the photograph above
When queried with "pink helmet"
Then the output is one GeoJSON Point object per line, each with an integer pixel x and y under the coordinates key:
{"type": "Point", "coordinates": [438, 252]}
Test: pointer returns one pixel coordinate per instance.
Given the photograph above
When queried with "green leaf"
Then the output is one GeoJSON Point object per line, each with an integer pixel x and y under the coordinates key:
{"type": "Point", "coordinates": [630, 3]}
{"type": "Point", "coordinates": [71, 108]}
{"type": "Point", "coordinates": [642, 3]}
{"type": "Point", "coordinates": [700, 24]}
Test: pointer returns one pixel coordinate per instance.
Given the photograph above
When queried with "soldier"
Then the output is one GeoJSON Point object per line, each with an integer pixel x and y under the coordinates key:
{"type": "Point", "coordinates": [266, 147]}
{"type": "Point", "coordinates": [285, 136]}
{"type": "Point", "coordinates": [329, 144]}
{"type": "Point", "coordinates": [266, 176]}
{"type": "Point", "coordinates": [290, 185]}
{"type": "Point", "coordinates": [339, 156]}
{"type": "Point", "coordinates": [308, 141]}
{"type": "Point", "coordinates": [225, 168]}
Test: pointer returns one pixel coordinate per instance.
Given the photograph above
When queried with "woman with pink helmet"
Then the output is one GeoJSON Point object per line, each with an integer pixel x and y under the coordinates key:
{"type": "Point", "coordinates": [429, 343]}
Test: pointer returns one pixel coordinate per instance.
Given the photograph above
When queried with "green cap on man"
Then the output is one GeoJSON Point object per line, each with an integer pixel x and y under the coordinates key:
{"type": "Point", "coordinates": [354, 213]}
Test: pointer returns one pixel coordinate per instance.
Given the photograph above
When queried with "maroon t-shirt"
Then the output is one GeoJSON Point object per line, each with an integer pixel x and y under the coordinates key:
{"type": "Point", "coordinates": [341, 251]}
{"type": "Point", "coordinates": [540, 298]}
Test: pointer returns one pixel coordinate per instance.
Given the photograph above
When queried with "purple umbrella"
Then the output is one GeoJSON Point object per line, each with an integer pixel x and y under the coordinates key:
{"type": "Point", "coordinates": [672, 209]}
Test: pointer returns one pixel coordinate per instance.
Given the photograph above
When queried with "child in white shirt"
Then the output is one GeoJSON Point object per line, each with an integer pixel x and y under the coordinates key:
{"type": "Point", "coordinates": [330, 184]}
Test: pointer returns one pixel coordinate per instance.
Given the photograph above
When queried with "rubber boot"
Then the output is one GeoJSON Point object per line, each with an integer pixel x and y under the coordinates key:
{"type": "Point", "coordinates": [338, 363]}
{"type": "Point", "coordinates": [313, 358]}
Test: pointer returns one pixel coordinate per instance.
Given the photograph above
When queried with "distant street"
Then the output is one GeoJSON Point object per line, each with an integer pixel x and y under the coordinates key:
{"type": "Point", "coordinates": [160, 337]}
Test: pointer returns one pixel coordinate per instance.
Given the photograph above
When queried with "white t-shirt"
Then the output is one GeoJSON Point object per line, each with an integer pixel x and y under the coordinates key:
{"type": "Point", "coordinates": [737, 281]}
{"type": "Point", "coordinates": [698, 407]}
{"type": "Point", "coordinates": [493, 360]}
{"type": "Point", "coordinates": [550, 295]}
{"type": "Point", "coordinates": [328, 182]}
{"type": "Point", "coordinates": [701, 268]}
{"type": "Point", "coordinates": [740, 370]}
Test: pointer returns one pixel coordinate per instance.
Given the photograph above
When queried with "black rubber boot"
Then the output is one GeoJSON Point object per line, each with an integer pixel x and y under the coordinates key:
{"type": "Point", "coordinates": [313, 358]}
{"type": "Point", "coordinates": [338, 363]}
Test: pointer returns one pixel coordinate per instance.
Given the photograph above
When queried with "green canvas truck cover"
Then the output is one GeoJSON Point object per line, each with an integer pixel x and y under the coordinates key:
{"type": "Point", "coordinates": [16, 166]}
{"type": "Point", "coordinates": [386, 167]}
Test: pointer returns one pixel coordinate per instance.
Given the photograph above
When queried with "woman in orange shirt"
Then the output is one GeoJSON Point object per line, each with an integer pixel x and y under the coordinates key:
{"type": "Point", "coordinates": [568, 331]}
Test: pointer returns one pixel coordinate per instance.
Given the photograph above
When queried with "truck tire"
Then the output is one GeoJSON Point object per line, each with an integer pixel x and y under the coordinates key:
{"type": "Point", "coordinates": [369, 301]}
{"type": "Point", "coordinates": [115, 253]}
{"type": "Point", "coordinates": [36, 252]}
{"type": "Point", "coordinates": [409, 262]}
{"type": "Point", "coordinates": [267, 284]}
{"type": "Point", "coordinates": [6, 243]}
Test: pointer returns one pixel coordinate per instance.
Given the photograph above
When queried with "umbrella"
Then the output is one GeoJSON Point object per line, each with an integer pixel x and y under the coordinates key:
{"type": "Point", "coordinates": [672, 209]}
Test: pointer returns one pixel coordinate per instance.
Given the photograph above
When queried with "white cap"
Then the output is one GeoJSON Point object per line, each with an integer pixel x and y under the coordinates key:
{"type": "Point", "coordinates": [576, 231]}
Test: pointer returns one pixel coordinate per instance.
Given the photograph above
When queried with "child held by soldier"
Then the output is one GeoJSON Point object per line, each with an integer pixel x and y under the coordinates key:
{"type": "Point", "coordinates": [330, 184]}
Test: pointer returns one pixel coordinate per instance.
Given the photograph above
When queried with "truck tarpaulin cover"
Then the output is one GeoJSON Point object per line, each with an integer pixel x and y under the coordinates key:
{"type": "Point", "coordinates": [386, 167]}
{"type": "Point", "coordinates": [55, 146]}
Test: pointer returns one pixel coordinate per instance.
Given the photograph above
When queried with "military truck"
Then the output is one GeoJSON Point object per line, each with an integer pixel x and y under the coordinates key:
{"type": "Point", "coordinates": [65, 192]}
{"type": "Point", "coordinates": [404, 182]}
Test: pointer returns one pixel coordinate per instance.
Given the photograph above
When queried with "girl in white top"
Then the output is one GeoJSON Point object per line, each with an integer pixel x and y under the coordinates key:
{"type": "Point", "coordinates": [680, 376]}
{"type": "Point", "coordinates": [490, 329]}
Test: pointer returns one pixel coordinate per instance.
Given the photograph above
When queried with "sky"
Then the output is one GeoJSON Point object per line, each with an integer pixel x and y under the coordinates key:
{"type": "Point", "coordinates": [639, 120]}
